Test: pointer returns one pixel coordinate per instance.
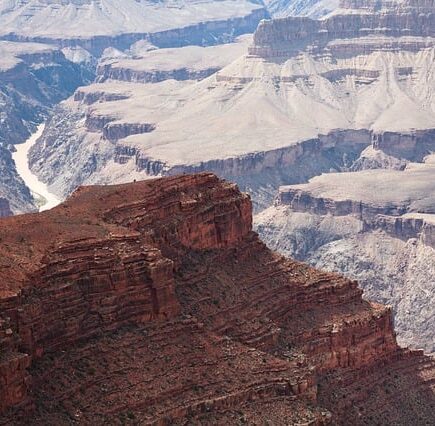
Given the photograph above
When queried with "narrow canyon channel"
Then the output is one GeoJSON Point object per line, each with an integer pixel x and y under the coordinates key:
{"type": "Point", "coordinates": [45, 199]}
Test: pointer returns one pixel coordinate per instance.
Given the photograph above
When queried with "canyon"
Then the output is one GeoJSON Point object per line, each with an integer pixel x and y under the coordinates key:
{"type": "Point", "coordinates": [154, 302]}
{"type": "Point", "coordinates": [351, 93]}
{"type": "Point", "coordinates": [49, 48]}
{"type": "Point", "coordinates": [366, 74]}
{"type": "Point", "coordinates": [33, 78]}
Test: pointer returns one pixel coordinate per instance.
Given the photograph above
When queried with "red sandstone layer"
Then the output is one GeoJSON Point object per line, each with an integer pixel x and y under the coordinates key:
{"type": "Point", "coordinates": [155, 303]}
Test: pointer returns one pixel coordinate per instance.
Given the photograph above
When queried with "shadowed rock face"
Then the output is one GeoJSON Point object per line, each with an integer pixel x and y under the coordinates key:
{"type": "Point", "coordinates": [33, 78]}
{"type": "Point", "coordinates": [154, 302]}
{"type": "Point", "coordinates": [4, 208]}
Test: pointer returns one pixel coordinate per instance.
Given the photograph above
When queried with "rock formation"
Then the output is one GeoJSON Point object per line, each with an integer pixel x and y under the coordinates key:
{"type": "Point", "coordinates": [155, 303]}
{"type": "Point", "coordinates": [377, 225]}
{"type": "Point", "coordinates": [182, 63]}
{"type": "Point", "coordinates": [308, 98]}
{"type": "Point", "coordinates": [95, 25]}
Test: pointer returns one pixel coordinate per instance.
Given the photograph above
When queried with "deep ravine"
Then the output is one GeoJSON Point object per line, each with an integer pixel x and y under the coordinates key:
{"type": "Point", "coordinates": [45, 199]}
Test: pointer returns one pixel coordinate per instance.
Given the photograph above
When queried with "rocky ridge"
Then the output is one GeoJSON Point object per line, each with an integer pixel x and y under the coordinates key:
{"type": "Point", "coordinates": [154, 302]}
{"type": "Point", "coordinates": [99, 24]}
{"type": "Point", "coordinates": [376, 224]}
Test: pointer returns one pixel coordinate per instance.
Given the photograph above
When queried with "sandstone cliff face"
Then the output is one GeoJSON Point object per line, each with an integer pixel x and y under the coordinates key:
{"type": "Point", "coordinates": [154, 302]}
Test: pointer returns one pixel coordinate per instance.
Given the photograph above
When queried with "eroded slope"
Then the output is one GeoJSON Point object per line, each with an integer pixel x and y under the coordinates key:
{"type": "Point", "coordinates": [154, 302]}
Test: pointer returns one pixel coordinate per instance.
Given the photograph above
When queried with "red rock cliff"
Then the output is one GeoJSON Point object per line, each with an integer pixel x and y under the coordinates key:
{"type": "Point", "coordinates": [155, 303]}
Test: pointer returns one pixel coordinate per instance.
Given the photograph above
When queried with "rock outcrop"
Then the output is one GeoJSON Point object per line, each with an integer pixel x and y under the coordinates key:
{"type": "Point", "coordinates": [154, 302]}
{"type": "Point", "coordinates": [377, 225]}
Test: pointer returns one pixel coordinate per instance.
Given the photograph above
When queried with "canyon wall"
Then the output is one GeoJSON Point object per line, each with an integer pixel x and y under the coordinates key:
{"type": "Point", "coordinates": [154, 302]}
{"type": "Point", "coordinates": [33, 78]}
{"type": "Point", "coordinates": [377, 225]}
{"type": "Point", "coordinates": [283, 37]}
{"type": "Point", "coordinates": [4, 208]}
{"type": "Point", "coordinates": [202, 33]}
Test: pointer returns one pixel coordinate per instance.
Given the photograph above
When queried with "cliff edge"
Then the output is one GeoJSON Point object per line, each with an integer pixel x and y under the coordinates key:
{"type": "Point", "coordinates": [155, 303]}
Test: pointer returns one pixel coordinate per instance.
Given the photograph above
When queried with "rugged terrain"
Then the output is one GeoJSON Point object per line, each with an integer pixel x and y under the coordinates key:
{"type": "Point", "coordinates": [99, 24]}
{"type": "Point", "coordinates": [33, 78]}
{"type": "Point", "coordinates": [155, 303]}
{"type": "Point", "coordinates": [376, 221]}
{"type": "Point", "coordinates": [377, 225]}
{"type": "Point", "coordinates": [308, 97]}
{"type": "Point", "coordinates": [352, 92]}
{"type": "Point", "coordinates": [49, 48]}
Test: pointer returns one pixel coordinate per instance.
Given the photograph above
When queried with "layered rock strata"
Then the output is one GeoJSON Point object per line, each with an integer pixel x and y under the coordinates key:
{"type": "Point", "coordinates": [155, 303]}
{"type": "Point", "coordinates": [385, 218]}
{"type": "Point", "coordinates": [96, 25]}
{"type": "Point", "coordinates": [309, 97]}
{"type": "Point", "coordinates": [183, 63]}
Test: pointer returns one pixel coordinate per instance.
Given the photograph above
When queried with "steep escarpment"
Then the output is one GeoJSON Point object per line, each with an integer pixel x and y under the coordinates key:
{"type": "Point", "coordinates": [377, 225]}
{"type": "Point", "coordinates": [307, 99]}
{"type": "Point", "coordinates": [281, 37]}
{"type": "Point", "coordinates": [97, 25]}
{"type": "Point", "coordinates": [154, 302]}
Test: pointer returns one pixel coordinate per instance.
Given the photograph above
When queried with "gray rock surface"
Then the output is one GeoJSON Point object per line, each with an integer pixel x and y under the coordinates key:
{"type": "Point", "coordinates": [33, 78]}
{"type": "Point", "coordinates": [376, 225]}
{"type": "Point", "coordinates": [307, 98]}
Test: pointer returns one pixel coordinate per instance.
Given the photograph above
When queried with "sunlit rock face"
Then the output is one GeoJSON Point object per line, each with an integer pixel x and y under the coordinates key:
{"type": "Point", "coordinates": [307, 97]}
{"type": "Point", "coordinates": [351, 92]}
{"type": "Point", "coordinates": [376, 221]}
{"type": "Point", "coordinates": [157, 303]}
{"type": "Point", "coordinates": [376, 224]}
{"type": "Point", "coordinates": [99, 24]}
